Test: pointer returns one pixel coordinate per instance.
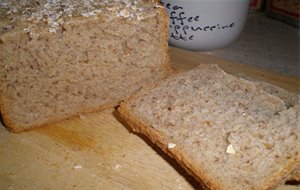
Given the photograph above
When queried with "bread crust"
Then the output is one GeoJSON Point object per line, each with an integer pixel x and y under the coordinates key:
{"type": "Point", "coordinates": [295, 174]}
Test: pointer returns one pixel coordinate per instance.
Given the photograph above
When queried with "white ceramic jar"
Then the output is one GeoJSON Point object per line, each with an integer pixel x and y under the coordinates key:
{"type": "Point", "coordinates": [205, 24]}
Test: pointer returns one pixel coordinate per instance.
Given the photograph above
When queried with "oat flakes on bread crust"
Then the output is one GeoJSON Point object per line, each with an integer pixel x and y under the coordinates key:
{"type": "Point", "coordinates": [203, 112]}
{"type": "Point", "coordinates": [62, 58]}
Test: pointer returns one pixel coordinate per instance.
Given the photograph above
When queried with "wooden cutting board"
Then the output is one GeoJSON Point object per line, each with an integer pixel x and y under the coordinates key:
{"type": "Point", "coordinates": [98, 151]}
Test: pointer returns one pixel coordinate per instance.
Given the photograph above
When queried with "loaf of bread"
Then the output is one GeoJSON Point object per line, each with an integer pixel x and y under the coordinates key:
{"type": "Point", "coordinates": [224, 130]}
{"type": "Point", "coordinates": [61, 58]}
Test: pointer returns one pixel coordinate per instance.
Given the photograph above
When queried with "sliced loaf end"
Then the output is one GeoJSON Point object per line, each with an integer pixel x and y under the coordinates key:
{"type": "Point", "coordinates": [89, 61]}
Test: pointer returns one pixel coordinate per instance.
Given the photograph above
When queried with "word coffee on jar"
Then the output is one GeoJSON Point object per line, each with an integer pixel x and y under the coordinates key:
{"type": "Point", "coordinates": [185, 26]}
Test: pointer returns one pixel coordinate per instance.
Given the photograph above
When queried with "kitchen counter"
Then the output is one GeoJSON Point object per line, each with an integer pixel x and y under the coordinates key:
{"type": "Point", "coordinates": [265, 43]}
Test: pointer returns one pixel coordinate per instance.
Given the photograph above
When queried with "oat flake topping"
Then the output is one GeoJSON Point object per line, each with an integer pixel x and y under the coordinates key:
{"type": "Point", "coordinates": [53, 12]}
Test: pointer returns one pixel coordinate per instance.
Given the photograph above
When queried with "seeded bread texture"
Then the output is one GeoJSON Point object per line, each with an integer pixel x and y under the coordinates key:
{"type": "Point", "coordinates": [289, 99]}
{"type": "Point", "coordinates": [224, 130]}
{"type": "Point", "coordinates": [62, 58]}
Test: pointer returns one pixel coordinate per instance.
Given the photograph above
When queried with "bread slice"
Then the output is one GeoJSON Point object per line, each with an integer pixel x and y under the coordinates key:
{"type": "Point", "coordinates": [62, 58]}
{"type": "Point", "coordinates": [224, 130]}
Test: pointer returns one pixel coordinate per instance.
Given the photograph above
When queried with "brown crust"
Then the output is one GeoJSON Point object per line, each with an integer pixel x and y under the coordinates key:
{"type": "Point", "coordinates": [295, 174]}
{"type": "Point", "coordinates": [282, 175]}
{"type": "Point", "coordinates": [165, 19]}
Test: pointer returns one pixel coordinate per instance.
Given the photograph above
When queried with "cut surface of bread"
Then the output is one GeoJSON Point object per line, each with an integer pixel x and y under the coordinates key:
{"type": "Point", "coordinates": [224, 130]}
{"type": "Point", "coordinates": [290, 99]}
{"type": "Point", "coordinates": [61, 58]}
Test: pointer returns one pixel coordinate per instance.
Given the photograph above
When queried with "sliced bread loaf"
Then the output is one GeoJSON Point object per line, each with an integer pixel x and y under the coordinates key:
{"type": "Point", "coordinates": [224, 130]}
{"type": "Point", "coordinates": [60, 58]}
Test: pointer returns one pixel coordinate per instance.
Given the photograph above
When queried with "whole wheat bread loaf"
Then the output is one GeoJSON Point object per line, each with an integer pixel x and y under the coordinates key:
{"type": "Point", "coordinates": [61, 58]}
{"type": "Point", "coordinates": [224, 130]}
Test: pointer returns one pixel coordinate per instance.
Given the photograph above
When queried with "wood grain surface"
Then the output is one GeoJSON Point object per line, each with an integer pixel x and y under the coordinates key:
{"type": "Point", "coordinates": [98, 150]}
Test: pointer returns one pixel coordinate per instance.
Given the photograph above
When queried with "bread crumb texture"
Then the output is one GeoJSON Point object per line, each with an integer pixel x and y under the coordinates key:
{"type": "Point", "coordinates": [231, 132]}
{"type": "Point", "coordinates": [60, 58]}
